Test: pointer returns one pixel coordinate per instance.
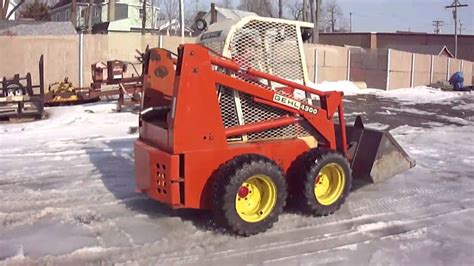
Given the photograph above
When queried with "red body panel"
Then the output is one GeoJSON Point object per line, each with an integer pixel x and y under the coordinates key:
{"type": "Point", "coordinates": [199, 166]}
{"type": "Point", "coordinates": [157, 173]}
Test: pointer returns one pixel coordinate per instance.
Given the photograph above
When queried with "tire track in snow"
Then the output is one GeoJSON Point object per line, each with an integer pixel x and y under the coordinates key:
{"type": "Point", "coordinates": [350, 235]}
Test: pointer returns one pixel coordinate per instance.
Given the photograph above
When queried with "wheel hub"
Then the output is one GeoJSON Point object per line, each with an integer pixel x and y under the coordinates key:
{"type": "Point", "coordinates": [329, 184]}
{"type": "Point", "coordinates": [256, 198]}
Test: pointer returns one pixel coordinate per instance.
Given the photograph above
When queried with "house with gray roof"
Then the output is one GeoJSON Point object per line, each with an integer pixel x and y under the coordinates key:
{"type": "Point", "coordinates": [27, 27]}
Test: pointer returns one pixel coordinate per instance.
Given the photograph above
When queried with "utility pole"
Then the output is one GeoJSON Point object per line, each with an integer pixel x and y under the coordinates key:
{"type": "Point", "coordinates": [460, 27]}
{"type": "Point", "coordinates": [350, 21]}
{"type": "Point", "coordinates": [333, 19]}
{"type": "Point", "coordinates": [437, 24]}
{"type": "Point", "coordinates": [455, 5]}
{"type": "Point", "coordinates": [280, 8]}
{"type": "Point", "coordinates": [144, 17]}
{"type": "Point", "coordinates": [73, 13]}
{"type": "Point", "coordinates": [317, 17]}
{"type": "Point", "coordinates": [89, 18]}
{"type": "Point", "coordinates": [312, 11]}
{"type": "Point", "coordinates": [181, 19]}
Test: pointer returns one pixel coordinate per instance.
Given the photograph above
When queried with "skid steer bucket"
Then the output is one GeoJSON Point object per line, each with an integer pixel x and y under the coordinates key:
{"type": "Point", "coordinates": [376, 155]}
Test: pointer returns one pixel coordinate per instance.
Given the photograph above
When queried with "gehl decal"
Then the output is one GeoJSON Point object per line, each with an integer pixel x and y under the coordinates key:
{"type": "Point", "coordinates": [294, 104]}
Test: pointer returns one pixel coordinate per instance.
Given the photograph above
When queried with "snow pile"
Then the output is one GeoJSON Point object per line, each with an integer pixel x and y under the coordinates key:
{"type": "Point", "coordinates": [345, 86]}
{"type": "Point", "coordinates": [421, 94]}
{"type": "Point", "coordinates": [70, 123]}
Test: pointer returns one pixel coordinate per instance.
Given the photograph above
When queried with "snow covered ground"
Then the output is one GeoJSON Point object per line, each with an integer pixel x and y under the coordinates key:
{"type": "Point", "coordinates": [67, 196]}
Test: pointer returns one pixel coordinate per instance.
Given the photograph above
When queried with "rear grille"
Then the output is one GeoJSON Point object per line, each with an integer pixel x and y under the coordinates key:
{"type": "Point", "coordinates": [161, 186]}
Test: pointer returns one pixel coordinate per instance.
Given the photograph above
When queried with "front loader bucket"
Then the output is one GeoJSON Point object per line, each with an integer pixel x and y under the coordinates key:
{"type": "Point", "coordinates": [376, 155]}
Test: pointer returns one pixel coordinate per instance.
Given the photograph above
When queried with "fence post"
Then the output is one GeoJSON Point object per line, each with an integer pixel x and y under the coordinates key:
{"type": "Point", "coordinates": [412, 78]}
{"type": "Point", "coordinates": [315, 64]}
{"type": "Point", "coordinates": [81, 60]}
{"type": "Point", "coordinates": [388, 70]}
{"type": "Point", "coordinates": [160, 41]}
{"type": "Point", "coordinates": [431, 69]}
{"type": "Point", "coordinates": [447, 69]}
{"type": "Point", "coordinates": [348, 75]}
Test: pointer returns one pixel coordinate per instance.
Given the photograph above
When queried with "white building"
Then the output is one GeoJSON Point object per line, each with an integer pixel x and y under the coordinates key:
{"type": "Point", "coordinates": [128, 14]}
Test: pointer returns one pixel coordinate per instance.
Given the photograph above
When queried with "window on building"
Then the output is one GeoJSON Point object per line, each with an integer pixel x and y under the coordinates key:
{"type": "Point", "coordinates": [141, 12]}
{"type": "Point", "coordinates": [67, 14]}
{"type": "Point", "coordinates": [83, 12]}
{"type": "Point", "coordinates": [96, 11]}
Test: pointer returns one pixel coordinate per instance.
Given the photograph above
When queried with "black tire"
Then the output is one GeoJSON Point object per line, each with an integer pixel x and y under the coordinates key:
{"type": "Point", "coordinates": [313, 161]}
{"type": "Point", "coordinates": [229, 178]}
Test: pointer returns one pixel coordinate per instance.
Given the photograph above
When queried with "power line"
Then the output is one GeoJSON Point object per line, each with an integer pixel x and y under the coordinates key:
{"type": "Point", "coordinates": [455, 5]}
{"type": "Point", "coordinates": [437, 24]}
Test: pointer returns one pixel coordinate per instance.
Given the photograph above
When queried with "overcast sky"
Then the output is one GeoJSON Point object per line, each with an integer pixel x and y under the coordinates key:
{"type": "Point", "coordinates": [393, 15]}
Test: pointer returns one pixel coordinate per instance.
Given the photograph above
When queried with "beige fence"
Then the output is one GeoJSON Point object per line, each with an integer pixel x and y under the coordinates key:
{"type": "Point", "coordinates": [369, 66]}
{"type": "Point", "coordinates": [379, 68]}
{"type": "Point", "coordinates": [20, 54]}
{"type": "Point", "coordinates": [409, 69]}
{"type": "Point", "coordinates": [326, 62]}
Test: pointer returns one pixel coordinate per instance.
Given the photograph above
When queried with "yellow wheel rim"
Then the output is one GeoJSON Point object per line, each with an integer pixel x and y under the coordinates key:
{"type": "Point", "coordinates": [256, 198]}
{"type": "Point", "coordinates": [329, 184]}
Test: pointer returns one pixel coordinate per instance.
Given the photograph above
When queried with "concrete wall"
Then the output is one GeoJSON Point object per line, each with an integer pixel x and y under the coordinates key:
{"type": "Point", "coordinates": [400, 69]}
{"type": "Point", "coordinates": [468, 70]}
{"type": "Point", "coordinates": [20, 54]}
{"type": "Point", "coordinates": [369, 66]}
{"type": "Point", "coordinates": [440, 69]}
{"type": "Point", "coordinates": [422, 71]}
{"type": "Point", "coordinates": [341, 39]}
{"type": "Point", "coordinates": [403, 41]}
{"type": "Point", "coordinates": [454, 66]}
{"type": "Point", "coordinates": [326, 63]}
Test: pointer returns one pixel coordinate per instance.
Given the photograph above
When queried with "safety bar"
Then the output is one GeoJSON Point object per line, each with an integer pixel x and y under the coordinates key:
{"type": "Point", "coordinates": [229, 64]}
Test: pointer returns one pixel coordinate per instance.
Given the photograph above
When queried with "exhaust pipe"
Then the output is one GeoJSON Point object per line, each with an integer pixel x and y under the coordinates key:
{"type": "Point", "coordinates": [375, 154]}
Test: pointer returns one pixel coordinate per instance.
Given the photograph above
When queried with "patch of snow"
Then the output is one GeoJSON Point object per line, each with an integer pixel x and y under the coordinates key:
{"type": "Point", "coordinates": [465, 106]}
{"type": "Point", "coordinates": [456, 120]}
{"type": "Point", "coordinates": [421, 94]}
{"type": "Point", "coordinates": [408, 110]}
{"type": "Point", "coordinates": [378, 225]}
{"type": "Point", "coordinates": [433, 124]}
{"type": "Point", "coordinates": [376, 125]}
{"type": "Point", "coordinates": [348, 87]}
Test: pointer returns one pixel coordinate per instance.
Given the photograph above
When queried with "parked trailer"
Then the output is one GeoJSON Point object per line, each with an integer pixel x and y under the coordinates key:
{"type": "Point", "coordinates": [20, 99]}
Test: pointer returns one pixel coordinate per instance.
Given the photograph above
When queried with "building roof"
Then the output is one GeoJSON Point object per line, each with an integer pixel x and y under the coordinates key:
{"type": "Point", "coordinates": [233, 13]}
{"type": "Point", "coordinates": [19, 27]}
{"type": "Point", "coordinates": [67, 2]}
{"type": "Point", "coordinates": [426, 49]}
{"type": "Point", "coordinates": [163, 25]}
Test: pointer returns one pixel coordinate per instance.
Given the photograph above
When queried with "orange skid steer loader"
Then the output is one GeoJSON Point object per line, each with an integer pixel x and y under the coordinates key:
{"type": "Point", "coordinates": [197, 150]}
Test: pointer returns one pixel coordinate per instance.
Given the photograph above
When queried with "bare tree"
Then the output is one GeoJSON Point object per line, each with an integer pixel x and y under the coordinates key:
{"type": "Point", "coordinates": [333, 15]}
{"type": "Point", "coordinates": [305, 10]}
{"type": "Point", "coordinates": [171, 10]}
{"type": "Point", "coordinates": [226, 4]}
{"type": "Point", "coordinates": [261, 7]}
{"type": "Point", "coordinates": [296, 10]}
{"type": "Point", "coordinates": [4, 4]}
